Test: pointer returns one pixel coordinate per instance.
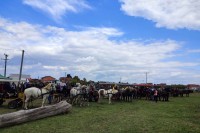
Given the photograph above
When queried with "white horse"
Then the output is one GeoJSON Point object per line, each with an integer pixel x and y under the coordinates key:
{"type": "Point", "coordinates": [77, 90]}
{"type": "Point", "coordinates": [77, 94]}
{"type": "Point", "coordinates": [34, 92]}
{"type": "Point", "coordinates": [107, 93]}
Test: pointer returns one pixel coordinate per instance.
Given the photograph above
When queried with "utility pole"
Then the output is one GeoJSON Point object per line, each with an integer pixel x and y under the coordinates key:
{"type": "Point", "coordinates": [6, 58]}
{"type": "Point", "coordinates": [65, 77]}
{"type": "Point", "coordinates": [146, 76]}
{"type": "Point", "coordinates": [20, 74]}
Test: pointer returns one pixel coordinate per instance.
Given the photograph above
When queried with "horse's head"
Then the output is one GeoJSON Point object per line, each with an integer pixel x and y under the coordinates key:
{"type": "Point", "coordinates": [47, 87]}
{"type": "Point", "coordinates": [50, 87]}
{"type": "Point", "coordinates": [84, 88]}
{"type": "Point", "coordinates": [53, 86]}
{"type": "Point", "coordinates": [78, 84]}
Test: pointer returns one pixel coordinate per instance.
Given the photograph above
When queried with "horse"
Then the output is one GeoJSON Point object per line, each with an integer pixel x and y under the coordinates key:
{"type": "Point", "coordinates": [184, 91]}
{"type": "Point", "coordinates": [163, 94]}
{"type": "Point", "coordinates": [107, 93]}
{"type": "Point", "coordinates": [79, 95]}
{"type": "Point", "coordinates": [75, 90]}
{"type": "Point", "coordinates": [34, 92]}
{"type": "Point", "coordinates": [91, 92]}
{"type": "Point", "coordinates": [127, 94]}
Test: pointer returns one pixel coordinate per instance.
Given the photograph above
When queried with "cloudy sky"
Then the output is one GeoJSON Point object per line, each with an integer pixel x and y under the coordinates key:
{"type": "Point", "coordinates": [103, 40]}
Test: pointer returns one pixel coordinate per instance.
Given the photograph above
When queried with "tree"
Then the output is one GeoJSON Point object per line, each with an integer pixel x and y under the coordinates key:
{"type": "Point", "coordinates": [75, 80]}
{"type": "Point", "coordinates": [69, 76]}
{"type": "Point", "coordinates": [84, 81]}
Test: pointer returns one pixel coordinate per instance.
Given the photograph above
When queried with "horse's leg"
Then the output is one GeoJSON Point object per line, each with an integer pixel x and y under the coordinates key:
{"type": "Point", "coordinates": [132, 97]}
{"type": "Point", "coordinates": [31, 100]}
{"type": "Point", "coordinates": [109, 96]}
{"type": "Point", "coordinates": [187, 94]}
{"type": "Point", "coordinates": [99, 100]}
{"type": "Point", "coordinates": [26, 102]}
{"type": "Point", "coordinates": [43, 101]}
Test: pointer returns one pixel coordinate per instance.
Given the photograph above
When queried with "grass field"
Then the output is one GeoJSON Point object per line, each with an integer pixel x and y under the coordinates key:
{"type": "Point", "coordinates": [179, 115]}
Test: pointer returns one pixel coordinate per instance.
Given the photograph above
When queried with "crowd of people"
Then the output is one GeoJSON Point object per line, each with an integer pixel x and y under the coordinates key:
{"type": "Point", "coordinates": [63, 90]}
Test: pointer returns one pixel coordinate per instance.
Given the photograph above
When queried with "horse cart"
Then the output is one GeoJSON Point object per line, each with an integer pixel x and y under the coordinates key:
{"type": "Point", "coordinates": [9, 95]}
{"type": "Point", "coordinates": [81, 95]}
{"type": "Point", "coordinates": [79, 99]}
{"type": "Point", "coordinates": [17, 102]}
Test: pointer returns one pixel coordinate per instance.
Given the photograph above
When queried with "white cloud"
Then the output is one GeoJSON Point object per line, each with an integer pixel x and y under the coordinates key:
{"type": "Point", "coordinates": [85, 59]}
{"type": "Point", "coordinates": [57, 8]}
{"type": "Point", "coordinates": [103, 31]}
{"type": "Point", "coordinates": [54, 51]}
{"type": "Point", "coordinates": [172, 14]}
{"type": "Point", "coordinates": [194, 51]}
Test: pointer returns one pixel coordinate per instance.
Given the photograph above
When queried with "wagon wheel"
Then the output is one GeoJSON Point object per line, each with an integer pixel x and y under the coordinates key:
{"type": "Point", "coordinates": [84, 100]}
{"type": "Point", "coordinates": [68, 99]}
{"type": "Point", "coordinates": [12, 104]}
{"type": "Point", "coordinates": [96, 98]}
{"type": "Point", "coordinates": [1, 101]}
{"type": "Point", "coordinates": [19, 102]}
{"type": "Point", "coordinates": [78, 100]}
{"type": "Point", "coordinates": [74, 100]}
{"type": "Point", "coordinates": [81, 101]}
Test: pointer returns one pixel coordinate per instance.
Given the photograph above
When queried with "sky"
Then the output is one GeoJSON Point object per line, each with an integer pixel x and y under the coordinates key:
{"type": "Point", "coordinates": [103, 40]}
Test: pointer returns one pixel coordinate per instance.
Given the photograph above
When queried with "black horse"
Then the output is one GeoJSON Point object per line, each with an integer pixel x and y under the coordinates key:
{"type": "Point", "coordinates": [93, 94]}
{"type": "Point", "coordinates": [127, 94]}
{"type": "Point", "coordinates": [164, 94]}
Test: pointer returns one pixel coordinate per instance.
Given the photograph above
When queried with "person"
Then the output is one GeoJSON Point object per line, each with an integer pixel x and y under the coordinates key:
{"type": "Point", "coordinates": [14, 90]}
{"type": "Point", "coordinates": [13, 86]}
{"type": "Point", "coordinates": [50, 97]}
{"type": "Point", "coordinates": [64, 90]}
{"type": "Point", "coordinates": [156, 95]}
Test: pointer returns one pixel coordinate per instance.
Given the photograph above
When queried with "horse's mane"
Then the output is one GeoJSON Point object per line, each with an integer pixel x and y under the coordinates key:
{"type": "Point", "coordinates": [83, 86]}
{"type": "Point", "coordinates": [47, 87]}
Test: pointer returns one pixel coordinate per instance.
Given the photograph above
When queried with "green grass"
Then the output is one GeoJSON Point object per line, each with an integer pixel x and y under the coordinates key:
{"type": "Point", "coordinates": [179, 115]}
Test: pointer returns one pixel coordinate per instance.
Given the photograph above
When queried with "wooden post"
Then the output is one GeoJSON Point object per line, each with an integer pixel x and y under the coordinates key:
{"type": "Point", "coordinates": [34, 114]}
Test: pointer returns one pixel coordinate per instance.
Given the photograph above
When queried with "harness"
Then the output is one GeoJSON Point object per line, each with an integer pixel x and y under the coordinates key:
{"type": "Point", "coordinates": [110, 92]}
{"type": "Point", "coordinates": [38, 93]}
{"type": "Point", "coordinates": [48, 92]}
{"type": "Point", "coordinates": [45, 93]}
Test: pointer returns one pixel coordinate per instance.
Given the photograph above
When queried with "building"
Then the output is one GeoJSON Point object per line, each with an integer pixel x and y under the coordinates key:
{"type": "Point", "coordinates": [65, 79]}
{"type": "Point", "coordinates": [193, 87]}
{"type": "Point", "coordinates": [48, 79]}
{"type": "Point", "coordinates": [2, 77]}
{"type": "Point", "coordinates": [24, 77]}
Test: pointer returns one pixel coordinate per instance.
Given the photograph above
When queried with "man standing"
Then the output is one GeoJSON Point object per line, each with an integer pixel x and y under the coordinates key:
{"type": "Point", "coordinates": [156, 95]}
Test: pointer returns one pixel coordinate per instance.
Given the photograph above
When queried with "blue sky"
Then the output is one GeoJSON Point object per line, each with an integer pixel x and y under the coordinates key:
{"type": "Point", "coordinates": [103, 40]}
